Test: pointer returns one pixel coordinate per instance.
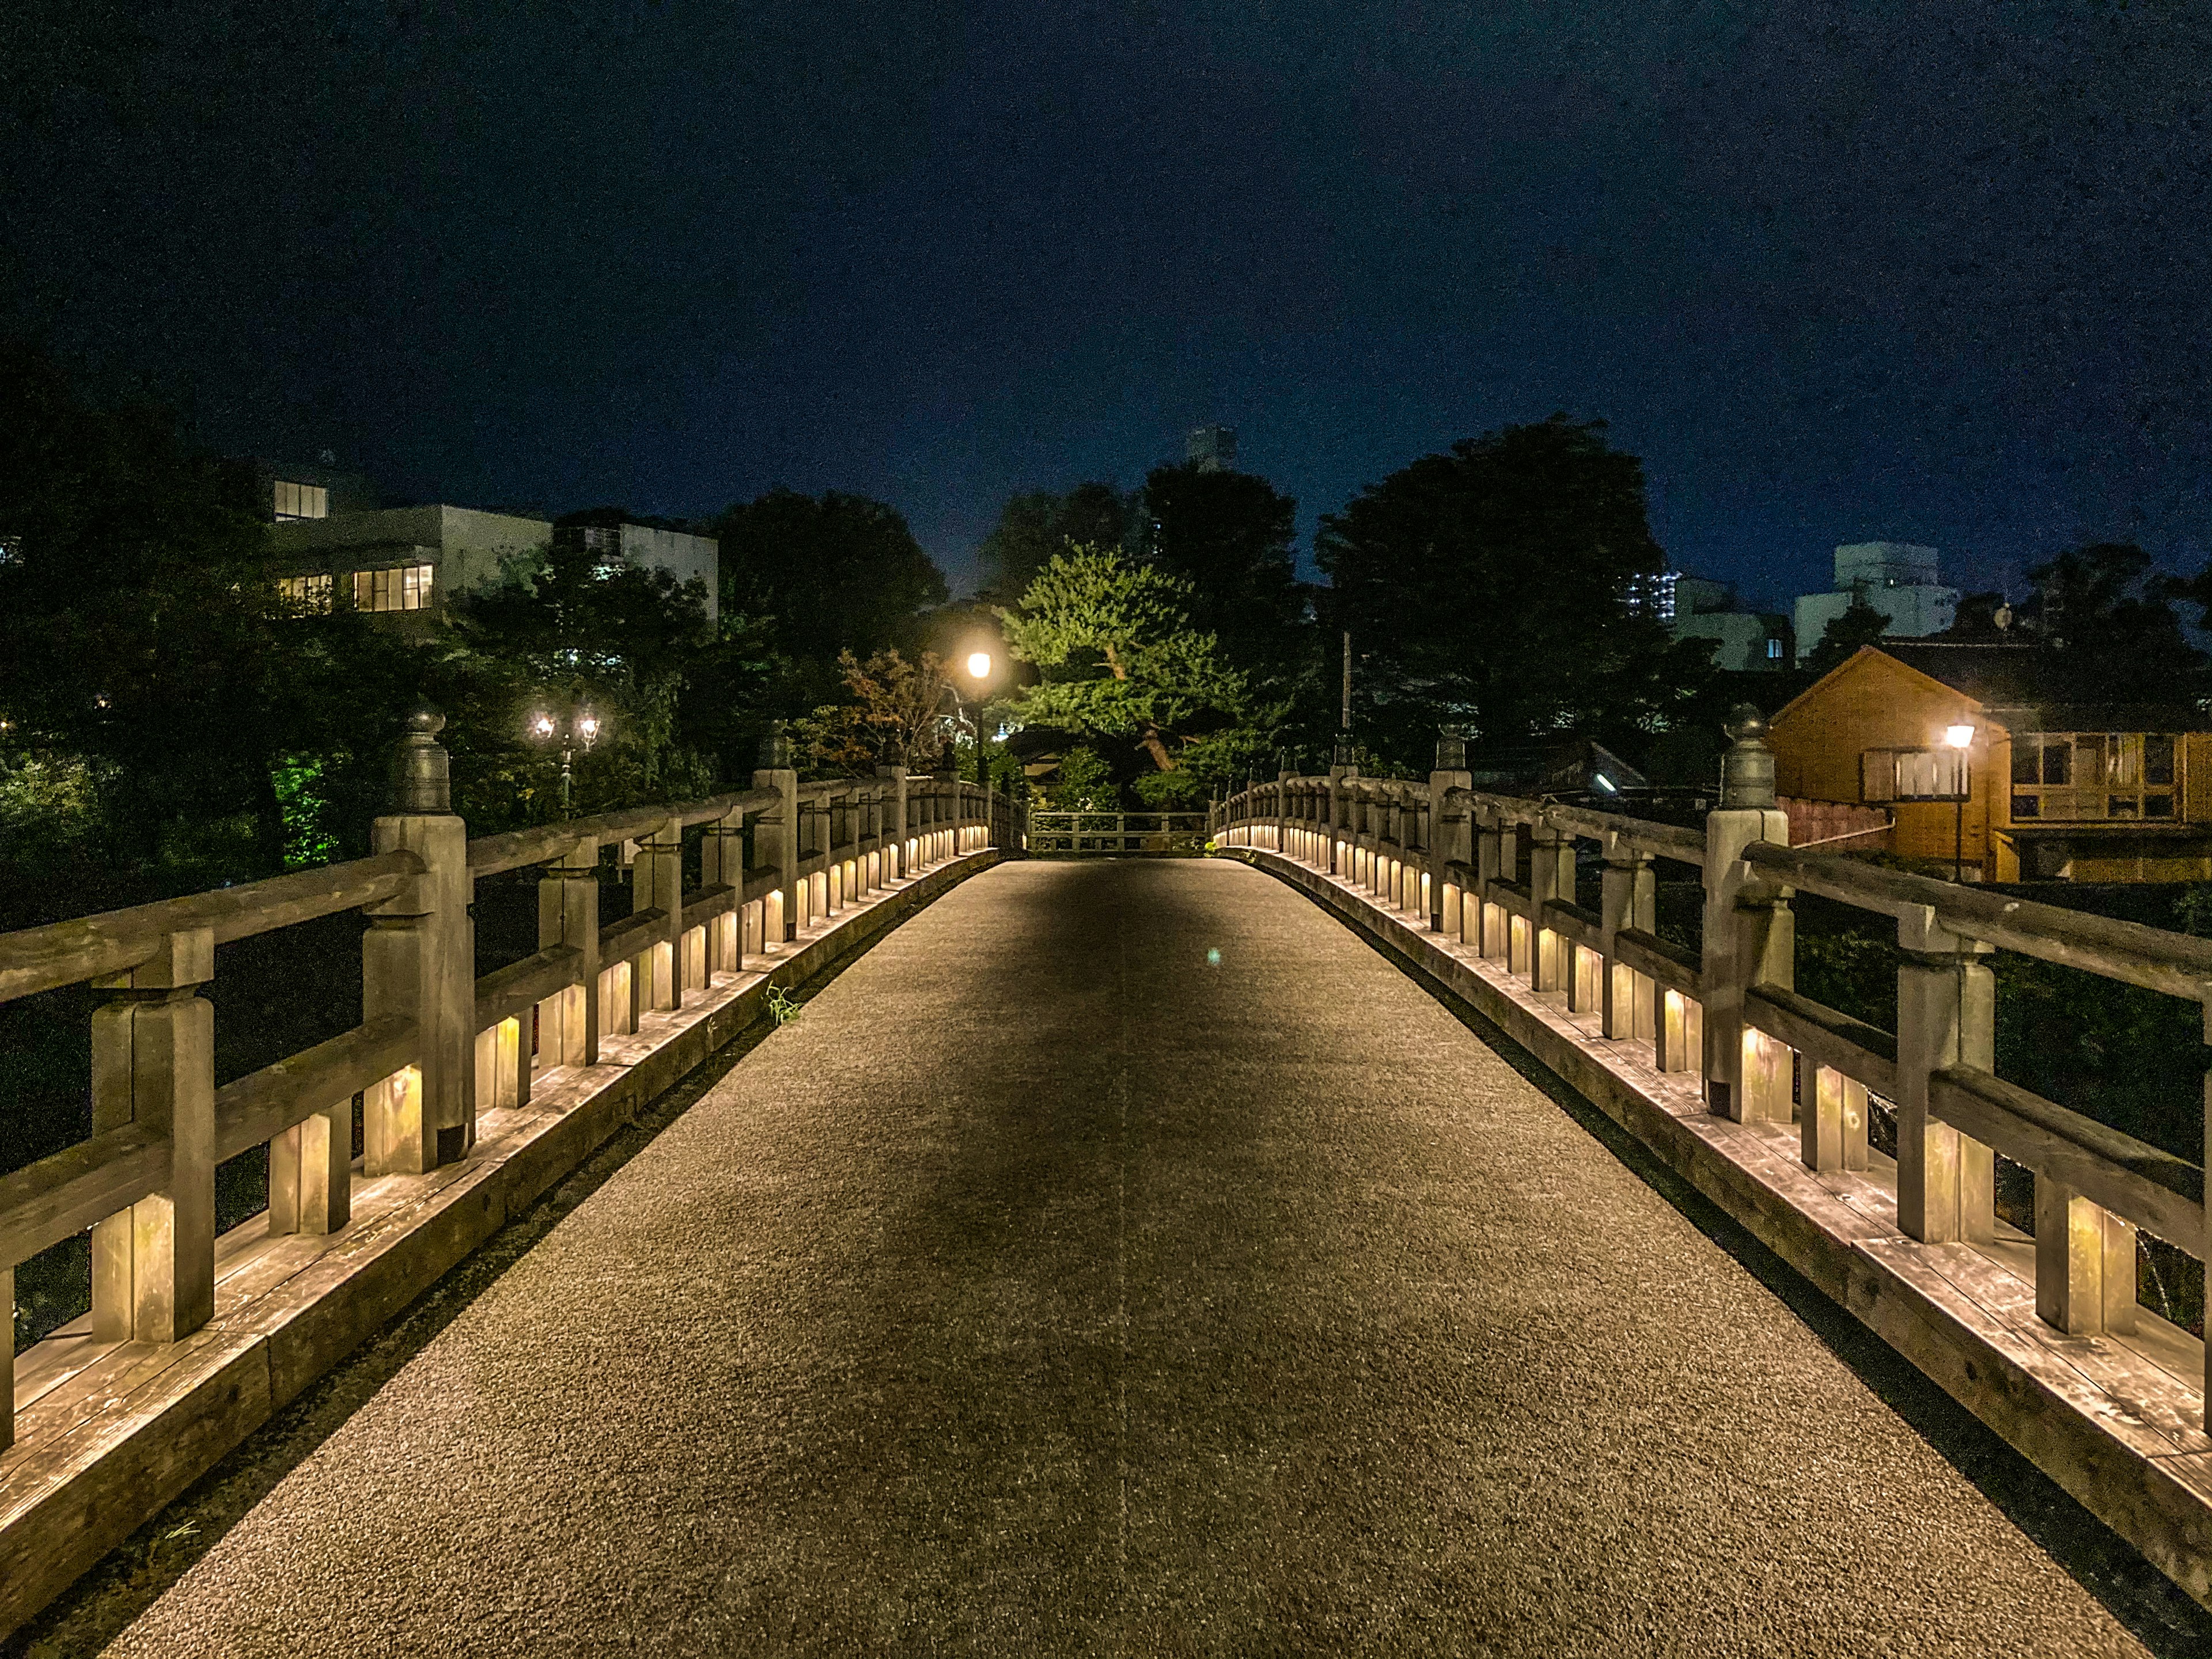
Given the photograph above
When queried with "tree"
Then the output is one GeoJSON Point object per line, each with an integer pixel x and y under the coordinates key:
{"type": "Point", "coordinates": [565, 631]}
{"type": "Point", "coordinates": [2111, 624]}
{"type": "Point", "coordinates": [1840, 642]}
{"type": "Point", "coordinates": [1119, 657]}
{"type": "Point", "coordinates": [1229, 535]}
{"type": "Point", "coordinates": [828, 574]}
{"type": "Point", "coordinates": [1490, 585]}
{"type": "Point", "coordinates": [892, 718]}
{"type": "Point", "coordinates": [1037, 524]}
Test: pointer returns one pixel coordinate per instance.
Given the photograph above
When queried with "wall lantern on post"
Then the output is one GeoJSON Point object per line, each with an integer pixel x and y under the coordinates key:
{"type": "Point", "coordinates": [581, 727]}
{"type": "Point", "coordinates": [1959, 737]}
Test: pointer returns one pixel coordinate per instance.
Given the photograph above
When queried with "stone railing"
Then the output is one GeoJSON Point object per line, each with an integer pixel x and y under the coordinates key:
{"type": "Point", "coordinates": [1493, 878]}
{"type": "Point", "coordinates": [437, 1046]}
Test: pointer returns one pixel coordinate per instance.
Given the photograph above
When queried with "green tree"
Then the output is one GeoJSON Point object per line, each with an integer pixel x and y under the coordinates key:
{"type": "Point", "coordinates": [565, 632]}
{"type": "Point", "coordinates": [1489, 586]}
{"type": "Point", "coordinates": [1840, 642]}
{"type": "Point", "coordinates": [824, 574]}
{"type": "Point", "coordinates": [1113, 642]}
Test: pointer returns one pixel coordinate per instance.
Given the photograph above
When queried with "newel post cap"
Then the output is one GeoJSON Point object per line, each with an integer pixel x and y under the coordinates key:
{"type": "Point", "coordinates": [422, 773]}
{"type": "Point", "coordinates": [1747, 768]}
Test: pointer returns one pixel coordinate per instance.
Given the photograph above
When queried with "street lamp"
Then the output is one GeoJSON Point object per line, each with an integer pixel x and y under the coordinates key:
{"type": "Point", "coordinates": [1960, 738]}
{"type": "Point", "coordinates": [979, 665]}
{"type": "Point", "coordinates": [582, 727]}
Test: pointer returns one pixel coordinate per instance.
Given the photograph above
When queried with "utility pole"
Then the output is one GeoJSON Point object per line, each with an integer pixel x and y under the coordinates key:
{"type": "Point", "coordinates": [1344, 716]}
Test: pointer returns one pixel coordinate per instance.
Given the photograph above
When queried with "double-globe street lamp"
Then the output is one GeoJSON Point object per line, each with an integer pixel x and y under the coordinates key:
{"type": "Point", "coordinates": [580, 727]}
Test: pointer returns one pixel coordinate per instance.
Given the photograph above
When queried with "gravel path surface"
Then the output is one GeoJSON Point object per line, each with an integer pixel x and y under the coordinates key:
{"type": "Point", "coordinates": [1122, 1258]}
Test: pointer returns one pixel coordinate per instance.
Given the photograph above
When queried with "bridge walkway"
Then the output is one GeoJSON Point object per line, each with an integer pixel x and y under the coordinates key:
{"type": "Point", "coordinates": [1123, 1258]}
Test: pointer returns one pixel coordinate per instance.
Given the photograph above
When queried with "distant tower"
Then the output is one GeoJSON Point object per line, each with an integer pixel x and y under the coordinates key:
{"type": "Point", "coordinates": [1211, 448]}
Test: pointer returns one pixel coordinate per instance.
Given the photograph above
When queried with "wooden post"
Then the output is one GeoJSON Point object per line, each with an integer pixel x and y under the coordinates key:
{"type": "Point", "coordinates": [418, 959]}
{"type": "Point", "coordinates": [894, 777]}
{"type": "Point", "coordinates": [1749, 936]}
{"type": "Point", "coordinates": [2085, 1264]}
{"type": "Point", "coordinates": [568, 914]}
{"type": "Point", "coordinates": [1945, 1016]}
{"type": "Point", "coordinates": [1628, 896]}
{"type": "Point", "coordinates": [152, 1064]}
{"type": "Point", "coordinates": [777, 836]}
{"type": "Point", "coordinates": [722, 864]}
{"type": "Point", "coordinates": [1551, 875]}
{"type": "Point", "coordinates": [8, 1360]}
{"type": "Point", "coordinates": [657, 882]}
{"type": "Point", "coordinates": [1833, 1135]}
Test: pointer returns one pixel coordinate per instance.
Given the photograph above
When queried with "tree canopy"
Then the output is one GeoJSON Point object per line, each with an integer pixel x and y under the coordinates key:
{"type": "Point", "coordinates": [2112, 623]}
{"type": "Point", "coordinates": [1118, 656]}
{"type": "Point", "coordinates": [1840, 642]}
{"type": "Point", "coordinates": [1037, 524]}
{"type": "Point", "coordinates": [1229, 535]}
{"type": "Point", "coordinates": [1489, 586]}
{"type": "Point", "coordinates": [825, 574]}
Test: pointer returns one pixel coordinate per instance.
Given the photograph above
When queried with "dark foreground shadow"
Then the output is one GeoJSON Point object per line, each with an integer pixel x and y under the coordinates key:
{"type": "Point", "coordinates": [2152, 1607]}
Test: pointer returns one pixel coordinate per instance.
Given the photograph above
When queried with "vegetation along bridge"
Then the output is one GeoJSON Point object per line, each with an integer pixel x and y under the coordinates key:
{"type": "Point", "coordinates": [1123, 1255]}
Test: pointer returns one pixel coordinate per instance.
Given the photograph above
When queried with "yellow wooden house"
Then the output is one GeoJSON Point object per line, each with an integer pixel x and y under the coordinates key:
{"type": "Point", "coordinates": [1959, 741]}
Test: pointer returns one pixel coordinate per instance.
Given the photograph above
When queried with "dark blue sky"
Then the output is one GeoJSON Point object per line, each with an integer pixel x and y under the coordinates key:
{"type": "Point", "coordinates": [1934, 272]}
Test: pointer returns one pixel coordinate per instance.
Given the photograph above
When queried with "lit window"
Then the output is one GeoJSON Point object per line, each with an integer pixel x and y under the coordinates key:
{"type": "Point", "coordinates": [11, 551]}
{"type": "Point", "coordinates": [1890, 774]}
{"type": "Point", "coordinates": [306, 592]}
{"type": "Point", "coordinates": [300, 501]}
{"type": "Point", "coordinates": [1774, 651]}
{"type": "Point", "coordinates": [406, 589]}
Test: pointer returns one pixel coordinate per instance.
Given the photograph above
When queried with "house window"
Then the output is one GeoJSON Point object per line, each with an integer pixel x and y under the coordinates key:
{"type": "Point", "coordinates": [2027, 806]}
{"type": "Point", "coordinates": [11, 551]}
{"type": "Point", "coordinates": [1774, 651]}
{"type": "Point", "coordinates": [300, 501]}
{"type": "Point", "coordinates": [306, 592]}
{"type": "Point", "coordinates": [2158, 759]}
{"type": "Point", "coordinates": [1891, 774]}
{"type": "Point", "coordinates": [405, 588]}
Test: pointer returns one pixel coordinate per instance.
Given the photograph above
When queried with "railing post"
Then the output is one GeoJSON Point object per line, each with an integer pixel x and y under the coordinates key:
{"type": "Point", "coordinates": [1339, 810]}
{"type": "Point", "coordinates": [152, 1064]}
{"type": "Point", "coordinates": [418, 959]}
{"type": "Point", "coordinates": [1451, 838]}
{"type": "Point", "coordinates": [568, 914]}
{"type": "Point", "coordinates": [1628, 896]}
{"type": "Point", "coordinates": [656, 880]}
{"type": "Point", "coordinates": [893, 834]}
{"type": "Point", "coordinates": [1749, 936]}
{"type": "Point", "coordinates": [1491, 835]}
{"type": "Point", "coordinates": [1551, 875]}
{"type": "Point", "coordinates": [1945, 1016]}
{"type": "Point", "coordinates": [778, 836]}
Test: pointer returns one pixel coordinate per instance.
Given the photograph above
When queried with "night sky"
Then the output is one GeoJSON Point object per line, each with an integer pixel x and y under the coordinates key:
{"type": "Point", "coordinates": [1926, 271]}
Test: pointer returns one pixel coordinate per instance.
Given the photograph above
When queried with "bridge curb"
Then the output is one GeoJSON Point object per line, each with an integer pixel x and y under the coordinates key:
{"type": "Point", "coordinates": [2160, 1503]}
{"type": "Point", "coordinates": [184, 1408]}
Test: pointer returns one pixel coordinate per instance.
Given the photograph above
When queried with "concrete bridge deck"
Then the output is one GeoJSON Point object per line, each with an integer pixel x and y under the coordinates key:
{"type": "Point", "coordinates": [1054, 1286]}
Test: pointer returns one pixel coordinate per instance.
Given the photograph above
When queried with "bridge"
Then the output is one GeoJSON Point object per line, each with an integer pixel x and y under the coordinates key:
{"type": "Point", "coordinates": [1348, 1241]}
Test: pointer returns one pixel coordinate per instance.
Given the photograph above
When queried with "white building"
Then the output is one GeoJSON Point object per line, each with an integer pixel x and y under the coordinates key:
{"type": "Point", "coordinates": [1899, 579]}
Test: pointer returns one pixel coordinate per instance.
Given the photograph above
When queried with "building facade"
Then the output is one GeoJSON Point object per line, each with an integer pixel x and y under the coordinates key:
{"type": "Point", "coordinates": [1744, 640]}
{"type": "Point", "coordinates": [1901, 579]}
{"type": "Point", "coordinates": [2043, 789]}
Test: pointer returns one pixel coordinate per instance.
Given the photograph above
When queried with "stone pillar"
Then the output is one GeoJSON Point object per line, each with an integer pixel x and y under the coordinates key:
{"type": "Point", "coordinates": [777, 836]}
{"type": "Point", "coordinates": [1492, 836]}
{"type": "Point", "coordinates": [568, 914]}
{"type": "Point", "coordinates": [1340, 813]}
{"type": "Point", "coordinates": [722, 864]}
{"type": "Point", "coordinates": [153, 1065]}
{"type": "Point", "coordinates": [657, 883]}
{"type": "Point", "coordinates": [418, 959]}
{"type": "Point", "coordinates": [1628, 896]}
{"type": "Point", "coordinates": [1749, 936]}
{"type": "Point", "coordinates": [1946, 1016]}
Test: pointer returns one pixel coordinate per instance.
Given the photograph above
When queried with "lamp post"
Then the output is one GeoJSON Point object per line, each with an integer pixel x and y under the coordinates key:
{"type": "Point", "coordinates": [582, 727]}
{"type": "Point", "coordinates": [1960, 738]}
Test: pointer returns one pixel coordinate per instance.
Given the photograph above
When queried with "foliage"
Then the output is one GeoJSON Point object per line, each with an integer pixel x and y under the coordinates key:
{"type": "Point", "coordinates": [891, 719]}
{"type": "Point", "coordinates": [563, 633]}
{"type": "Point", "coordinates": [1085, 782]}
{"type": "Point", "coordinates": [1489, 586]}
{"type": "Point", "coordinates": [1119, 655]}
{"type": "Point", "coordinates": [1860, 625]}
{"type": "Point", "coordinates": [826, 574]}
{"type": "Point", "coordinates": [1180, 791]}
{"type": "Point", "coordinates": [2110, 624]}
{"type": "Point", "coordinates": [1229, 535]}
{"type": "Point", "coordinates": [1037, 524]}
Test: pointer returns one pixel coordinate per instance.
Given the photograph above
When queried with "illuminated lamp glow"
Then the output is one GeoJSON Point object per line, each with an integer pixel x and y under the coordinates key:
{"type": "Point", "coordinates": [979, 665]}
{"type": "Point", "coordinates": [1958, 737]}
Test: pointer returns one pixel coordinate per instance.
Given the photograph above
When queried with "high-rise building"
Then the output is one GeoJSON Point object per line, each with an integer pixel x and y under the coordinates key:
{"type": "Point", "coordinates": [1899, 579]}
{"type": "Point", "coordinates": [1211, 448]}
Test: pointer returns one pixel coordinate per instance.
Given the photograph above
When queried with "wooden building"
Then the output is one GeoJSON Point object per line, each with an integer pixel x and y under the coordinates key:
{"type": "Point", "coordinates": [2043, 789]}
